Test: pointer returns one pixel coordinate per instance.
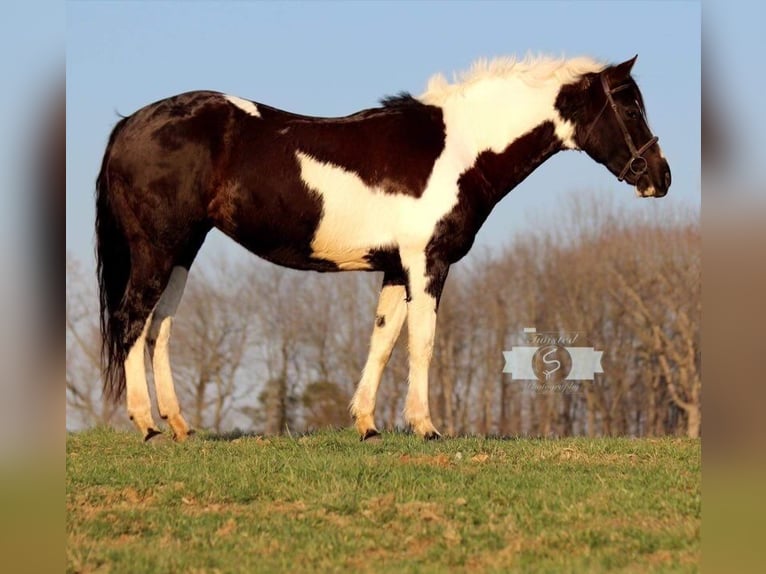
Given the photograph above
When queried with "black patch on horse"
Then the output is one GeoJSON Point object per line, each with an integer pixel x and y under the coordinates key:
{"type": "Point", "coordinates": [392, 148]}
{"type": "Point", "coordinates": [384, 259]}
{"type": "Point", "coordinates": [481, 187]}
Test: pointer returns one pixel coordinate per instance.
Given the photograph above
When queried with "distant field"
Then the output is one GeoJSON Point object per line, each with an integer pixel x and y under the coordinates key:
{"type": "Point", "coordinates": [328, 503]}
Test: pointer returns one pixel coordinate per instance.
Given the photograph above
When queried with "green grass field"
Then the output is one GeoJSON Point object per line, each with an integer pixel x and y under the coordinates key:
{"type": "Point", "coordinates": [328, 503]}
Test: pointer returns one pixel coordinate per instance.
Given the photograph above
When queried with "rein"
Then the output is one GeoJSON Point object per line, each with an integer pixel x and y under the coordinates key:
{"type": "Point", "coordinates": [636, 164]}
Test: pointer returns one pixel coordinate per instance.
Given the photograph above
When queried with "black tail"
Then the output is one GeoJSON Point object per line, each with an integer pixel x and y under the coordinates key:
{"type": "Point", "coordinates": [113, 268]}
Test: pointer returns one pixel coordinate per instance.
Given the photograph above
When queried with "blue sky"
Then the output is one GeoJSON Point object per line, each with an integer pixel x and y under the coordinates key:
{"type": "Point", "coordinates": [336, 58]}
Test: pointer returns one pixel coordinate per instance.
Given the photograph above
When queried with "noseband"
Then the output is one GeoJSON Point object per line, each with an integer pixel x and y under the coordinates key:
{"type": "Point", "coordinates": [636, 164]}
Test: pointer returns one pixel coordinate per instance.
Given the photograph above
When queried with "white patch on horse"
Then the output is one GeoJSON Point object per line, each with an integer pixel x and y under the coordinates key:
{"type": "Point", "coordinates": [491, 115]}
{"type": "Point", "coordinates": [486, 115]}
{"type": "Point", "coordinates": [498, 101]}
{"type": "Point", "coordinates": [137, 390]}
{"type": "Point", "coordinates": [565, 131]}
{"type": "Point", "coordinates": [357, 218]}
{"type": "Point", "coordinates": [534, 71]}
{"type": "Point", "coordinates": [245, 105]}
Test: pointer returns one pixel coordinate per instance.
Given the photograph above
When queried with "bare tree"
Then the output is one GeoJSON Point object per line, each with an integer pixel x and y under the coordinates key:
{"type": "Point", "coordinates": [85, 405]}
{"type": "Point", "coordinates": [213, 337]}
{"type": "Point", "coordinates": [664, 308]}
{"type": "Point", "coordinates": [324, 405]}
{"type": "Point", "coordinates": [279, 319]}
{"type": "Point", "coordinates": [280, 350]}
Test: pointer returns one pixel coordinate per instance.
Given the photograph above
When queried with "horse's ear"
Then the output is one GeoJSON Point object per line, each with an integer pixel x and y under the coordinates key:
{"type": "Point", "coordinates": [622, 71]}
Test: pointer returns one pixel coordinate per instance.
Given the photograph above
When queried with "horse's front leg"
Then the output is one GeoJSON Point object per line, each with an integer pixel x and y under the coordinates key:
{"type": "Point", "coordinates": [389, 318]}
{"type": "Point", "coordinates": [426, 281]}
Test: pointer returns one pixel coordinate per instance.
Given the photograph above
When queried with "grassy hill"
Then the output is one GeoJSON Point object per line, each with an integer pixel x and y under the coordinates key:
{"type": "Point", "coordinates": [327, 503]}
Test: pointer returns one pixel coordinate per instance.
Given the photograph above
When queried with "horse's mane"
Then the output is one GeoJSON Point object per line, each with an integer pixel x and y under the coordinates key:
{"type": "Point", "coordinates": [533, 70]}
{"type": "Point", "coordinates": [400, 100]}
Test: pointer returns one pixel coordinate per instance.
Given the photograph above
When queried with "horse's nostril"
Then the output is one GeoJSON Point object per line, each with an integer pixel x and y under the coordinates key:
{"type": "Point", "coordinates": [667, 179]}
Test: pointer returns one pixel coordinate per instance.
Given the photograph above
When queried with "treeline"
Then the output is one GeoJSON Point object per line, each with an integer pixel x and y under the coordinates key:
{"type": "Point", "coordinates": [265, 349]}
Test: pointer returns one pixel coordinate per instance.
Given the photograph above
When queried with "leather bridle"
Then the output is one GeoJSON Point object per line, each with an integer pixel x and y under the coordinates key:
{"type": "Point", "coordinates": [636, 164]}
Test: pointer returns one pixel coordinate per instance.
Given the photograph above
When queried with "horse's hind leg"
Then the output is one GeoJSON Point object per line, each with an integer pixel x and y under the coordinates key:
{"type": "Point", "coordinates": [149, 273]}
{"type": "Point", "coordinates": [159, 336]}
{"type": "Point", "coordinates": [137, 390]}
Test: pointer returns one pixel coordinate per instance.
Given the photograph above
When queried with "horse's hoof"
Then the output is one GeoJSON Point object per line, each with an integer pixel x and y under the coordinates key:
{"type": "Point", "coordinates": [371, 435]}
{"type": "Point", "coordinates": [432, 435]}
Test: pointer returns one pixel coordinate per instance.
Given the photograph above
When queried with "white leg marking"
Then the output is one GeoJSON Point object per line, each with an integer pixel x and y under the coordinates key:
{"type": "Point", "coordinates": [245, 105]}
{"type": "Point", "coordinates": [421, 327]}
{"type": "Point", "coordinates": [392, 308]}
{"type": "Point", "coordinates": [160, 330]}
{"type": "Point", "coordinates": [139, 403]}
{"type": "Point", "coordinates": [167, 401]}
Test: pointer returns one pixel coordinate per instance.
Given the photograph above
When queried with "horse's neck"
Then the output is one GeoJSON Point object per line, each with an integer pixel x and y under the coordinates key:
{"type": "Point", "coordinates": [509, 127]}
{"type": "Point", "coordinates": [492, 113]}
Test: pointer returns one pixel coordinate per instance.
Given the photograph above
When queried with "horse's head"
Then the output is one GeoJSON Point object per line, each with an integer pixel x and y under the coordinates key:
{"type": "Point", "coordinates": [610, 126]}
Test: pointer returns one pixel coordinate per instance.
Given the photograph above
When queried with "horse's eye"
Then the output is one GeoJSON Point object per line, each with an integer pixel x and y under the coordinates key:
{"type": "Point", "coordinates": [632, 114]}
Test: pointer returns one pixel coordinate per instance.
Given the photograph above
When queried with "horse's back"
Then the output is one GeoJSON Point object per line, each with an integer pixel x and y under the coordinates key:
{"type": "Point", "coordinates": [303, 192]}
{"type": "Point", "coordinates": [161, 167]}
{"type": "Point", "coordinates": [169, 128]}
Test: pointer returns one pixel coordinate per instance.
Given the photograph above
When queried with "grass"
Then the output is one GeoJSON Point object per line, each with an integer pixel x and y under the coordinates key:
{"type": "Point", "coordinates": [327, 503]}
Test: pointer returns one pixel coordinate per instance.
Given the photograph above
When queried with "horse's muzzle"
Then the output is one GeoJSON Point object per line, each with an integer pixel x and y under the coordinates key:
{"type": "Point", "coordinates": [655, 182]}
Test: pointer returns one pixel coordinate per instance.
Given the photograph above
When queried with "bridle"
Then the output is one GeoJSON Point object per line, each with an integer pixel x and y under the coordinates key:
{"type": "Point", "coordinates": [636, 164]}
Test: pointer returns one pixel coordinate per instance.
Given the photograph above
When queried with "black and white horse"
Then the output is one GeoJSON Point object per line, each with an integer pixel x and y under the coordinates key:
{"type": "Point", "coordinates": [402, 189]}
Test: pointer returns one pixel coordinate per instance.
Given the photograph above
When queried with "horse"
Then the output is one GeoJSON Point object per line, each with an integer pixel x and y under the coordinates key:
{"type": "Point", "coordinates": [402, 188]}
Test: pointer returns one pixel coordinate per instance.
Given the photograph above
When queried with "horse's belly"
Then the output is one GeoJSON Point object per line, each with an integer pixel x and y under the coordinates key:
{"type": "Point", "coordinates": [358, 220]}
{"type": "Point", "coordinates": [347, 259]}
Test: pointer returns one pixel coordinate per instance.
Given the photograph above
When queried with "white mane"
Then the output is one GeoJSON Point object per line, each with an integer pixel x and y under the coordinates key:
{"type": "Point", "coordinates": [533, 70]}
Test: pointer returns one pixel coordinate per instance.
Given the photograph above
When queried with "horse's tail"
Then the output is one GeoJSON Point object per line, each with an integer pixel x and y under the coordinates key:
{"type": "Point", "coordinates": [113, 268]}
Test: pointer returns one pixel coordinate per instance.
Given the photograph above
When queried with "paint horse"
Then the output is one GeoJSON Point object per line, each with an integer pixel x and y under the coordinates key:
{"type": "Point", "coordinates": [402, 189]}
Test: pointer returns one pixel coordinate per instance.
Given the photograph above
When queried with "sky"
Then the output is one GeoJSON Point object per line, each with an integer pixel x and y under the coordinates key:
{"type": "Point", "coordinates": [335, 58]}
